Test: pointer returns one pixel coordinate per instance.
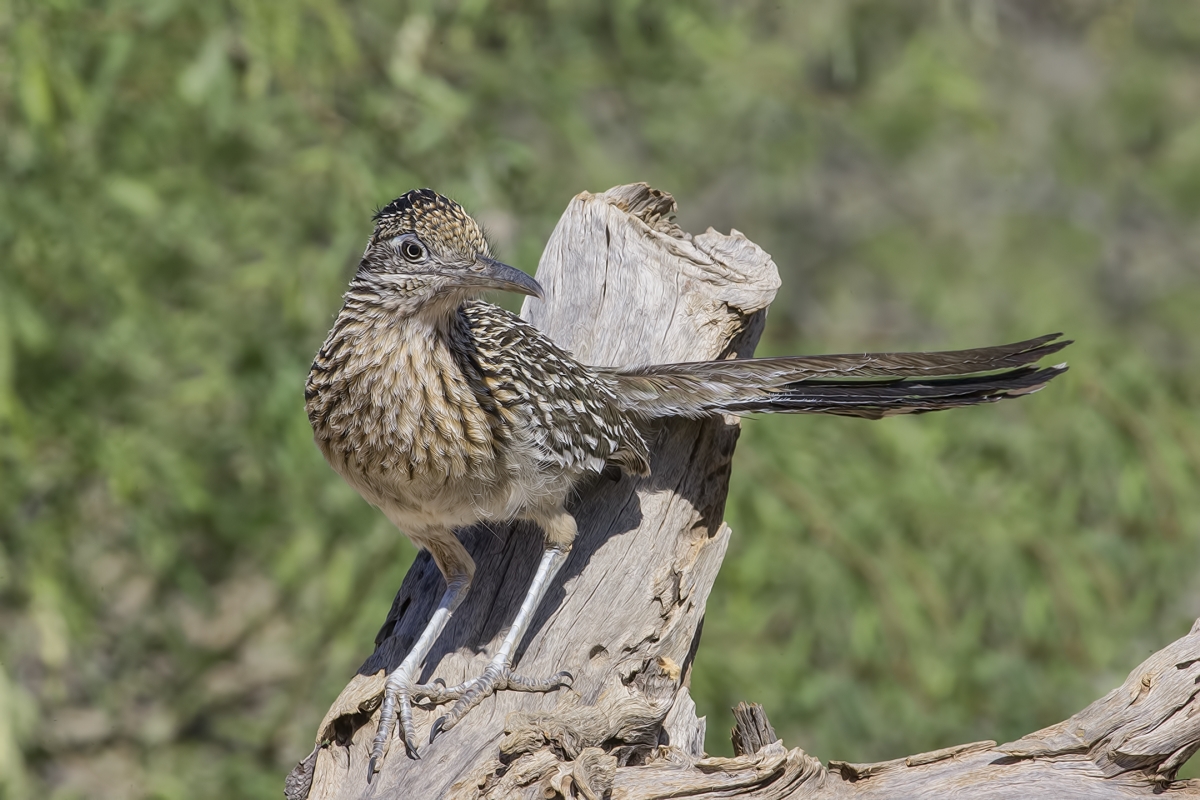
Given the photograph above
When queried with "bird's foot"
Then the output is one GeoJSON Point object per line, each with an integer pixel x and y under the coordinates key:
{"type": "Point", "coordinates": [497, 676]}
{"type": "Point", "coordinates": [398, 695]}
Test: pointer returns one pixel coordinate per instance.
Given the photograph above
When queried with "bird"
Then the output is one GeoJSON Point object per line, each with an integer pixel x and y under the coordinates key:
{"type": "Point", "coordinates": [444, 410]}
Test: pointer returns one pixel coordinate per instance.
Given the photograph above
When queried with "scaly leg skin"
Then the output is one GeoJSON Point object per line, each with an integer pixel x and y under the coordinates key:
{"type": "Point", "coordinates": [398, 690]}
{"type": "Point", "coordinates": [499, 675]}
{"type": "Point", "coordinates": [453, 560]}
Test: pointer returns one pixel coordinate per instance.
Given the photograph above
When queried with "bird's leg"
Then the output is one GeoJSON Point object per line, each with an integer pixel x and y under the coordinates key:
{"type": "Point", "coordinates": [499, 675]}
{"type": "Point", "coordinates": [458, 568]}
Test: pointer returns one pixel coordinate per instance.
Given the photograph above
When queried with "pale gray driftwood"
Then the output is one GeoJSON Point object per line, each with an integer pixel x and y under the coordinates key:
{"type": "Point", "coordinates": [625, 286]}
{"type": "Point", "coordinates": [1125, 745]}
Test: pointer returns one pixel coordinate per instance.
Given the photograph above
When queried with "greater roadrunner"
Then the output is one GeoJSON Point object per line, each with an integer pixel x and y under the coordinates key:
{"type": "Point", "coordinates": [445, 411]}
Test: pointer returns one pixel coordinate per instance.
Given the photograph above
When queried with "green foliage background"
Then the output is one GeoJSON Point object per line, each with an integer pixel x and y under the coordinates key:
{"type": "Point", "coordinates": [184, 585]}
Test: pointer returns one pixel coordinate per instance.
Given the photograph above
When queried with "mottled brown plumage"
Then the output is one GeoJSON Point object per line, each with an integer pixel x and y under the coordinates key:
{"type": "Point", "coordinates": [445, 411]}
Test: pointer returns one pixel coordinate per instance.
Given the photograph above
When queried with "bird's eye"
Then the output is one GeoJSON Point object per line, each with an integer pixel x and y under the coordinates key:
{"type": "Point", "coordinates": [411, 249]}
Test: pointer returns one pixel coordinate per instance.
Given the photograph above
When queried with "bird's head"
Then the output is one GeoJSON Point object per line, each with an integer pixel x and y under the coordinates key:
{"type": "Point", "coordinates": [426, 251]}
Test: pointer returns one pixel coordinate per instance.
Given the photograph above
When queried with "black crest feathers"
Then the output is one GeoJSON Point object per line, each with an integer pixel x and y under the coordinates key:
{"type": "Point", "coordinates": [414, 201]}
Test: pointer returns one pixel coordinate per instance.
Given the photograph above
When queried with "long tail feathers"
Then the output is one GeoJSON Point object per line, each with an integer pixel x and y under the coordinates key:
{"type": "Point", "coordinates": [912, 383]}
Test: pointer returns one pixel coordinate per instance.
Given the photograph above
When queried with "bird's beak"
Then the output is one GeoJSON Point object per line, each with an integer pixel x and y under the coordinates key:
{"type": "Point", "coordinates": [491, 274]}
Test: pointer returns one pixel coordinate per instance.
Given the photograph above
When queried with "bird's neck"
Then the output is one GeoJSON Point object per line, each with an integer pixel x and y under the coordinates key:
{"type": "Point", "coordinates": [382, 302]}
{"type": "Point", "coordinates": [392, 389]}
{"type": "Point", "coordinates": [380, 346]}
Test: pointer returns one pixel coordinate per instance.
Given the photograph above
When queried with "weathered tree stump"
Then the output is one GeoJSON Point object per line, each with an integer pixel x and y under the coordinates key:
{"type": "Point", "coordinates": [625, 286]}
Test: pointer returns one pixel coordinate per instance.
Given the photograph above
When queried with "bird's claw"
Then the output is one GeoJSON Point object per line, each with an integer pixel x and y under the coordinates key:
{"type": "Point", "coordinates": [496, 677]}
{"type": "Point", "coordinates": [397, 702]}
{"type": "Point", "coordinates": [398, 697]}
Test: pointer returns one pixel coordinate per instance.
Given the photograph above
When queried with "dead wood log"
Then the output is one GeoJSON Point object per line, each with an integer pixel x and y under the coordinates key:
{"type": "Point", "coordinates": [625, 286]}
